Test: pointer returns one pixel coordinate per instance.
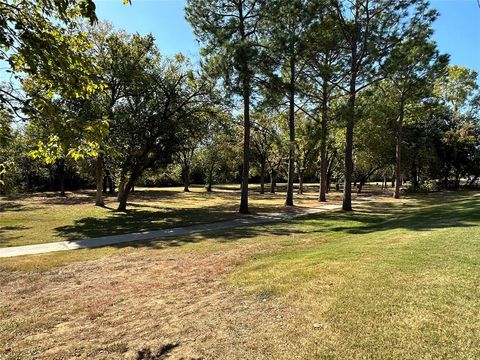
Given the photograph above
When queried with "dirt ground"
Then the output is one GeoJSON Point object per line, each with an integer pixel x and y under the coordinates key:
{"type": "Point", "coordinates": [138, 304]}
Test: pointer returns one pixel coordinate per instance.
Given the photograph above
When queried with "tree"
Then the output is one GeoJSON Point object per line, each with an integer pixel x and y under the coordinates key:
{"type": "Point", "coordinates": [370, 30]}
{"type": "Point", "coordinates": [227, 30]}
{"type": "Point", "coordinates": [324, 72]}
{"type": "Point", "coordinates": [287, 42]}
{"type": "Point", "coordinates": [120, 58]}
{"type": "Point", "coordinates": [412, 68]}
{"type": "Point", "coordinates": [38, 38]}
{"type": "Point", "coordinates": [151, 122]}
{"type": "Point", "coordinates": [195, 135]}
{"type": "Point", "coordinates": [458, 93]}
{"type": "Point", "coordinates": [65, 127]}
{"type": "Point", "coordinates": [262, 141]}
{"type": "Point", "coordinates": [220, 152]}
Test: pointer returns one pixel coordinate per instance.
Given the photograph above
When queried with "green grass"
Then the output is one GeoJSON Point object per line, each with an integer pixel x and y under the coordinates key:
{"type": "Point", "coordinates": [387, 283]}
{"type": "Point", "coordinates": [41, 218]}
{"type": "Point", "coordinates": [393, 280]}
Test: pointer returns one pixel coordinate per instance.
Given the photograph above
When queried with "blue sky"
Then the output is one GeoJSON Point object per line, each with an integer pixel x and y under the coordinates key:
{"type": "Point", "coordinates": [457, 31]}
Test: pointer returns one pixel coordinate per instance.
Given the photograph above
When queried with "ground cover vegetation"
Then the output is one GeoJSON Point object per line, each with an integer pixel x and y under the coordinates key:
{"type": "Point", "coordinates": [391, 280]}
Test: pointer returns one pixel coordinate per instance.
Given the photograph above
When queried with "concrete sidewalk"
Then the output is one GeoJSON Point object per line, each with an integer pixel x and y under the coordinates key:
{"type": "Point", "coordinates": [158, 234]}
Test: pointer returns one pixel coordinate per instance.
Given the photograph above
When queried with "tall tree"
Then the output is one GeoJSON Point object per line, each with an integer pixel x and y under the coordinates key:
{"type": "Point", "coordinates": [228, 32]}
{"type": "Point", "coordinates": [152, 121]}
{"type": "Point", "coordinates": [412, 68]}
{"type": "Point", "coordinates": [370, 30]}
{"type": "Point", "coordinates": [324, 72]}
{"type": "Point", "coordinates": [287, 43]}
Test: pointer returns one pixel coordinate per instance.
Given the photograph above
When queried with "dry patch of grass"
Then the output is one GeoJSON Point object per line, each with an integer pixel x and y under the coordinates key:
{"type": "Point", "coordinates": [392, 280]}
{"type": "Point", "coordinates": [116, 306]}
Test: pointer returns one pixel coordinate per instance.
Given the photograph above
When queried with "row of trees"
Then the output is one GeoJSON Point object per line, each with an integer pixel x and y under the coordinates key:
{"type": "Point", "coordinates": [289, 96]}
{"type": "Point", "coordinates": [319, 57]}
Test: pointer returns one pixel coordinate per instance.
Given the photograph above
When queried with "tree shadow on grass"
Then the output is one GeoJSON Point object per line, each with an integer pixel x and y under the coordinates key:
{"type": "Point", "coordinates": [425, 215]}
{"type": "Point", "coordinates": [136, 220]}
{"type": "Point", "coordinates": [14, 207]}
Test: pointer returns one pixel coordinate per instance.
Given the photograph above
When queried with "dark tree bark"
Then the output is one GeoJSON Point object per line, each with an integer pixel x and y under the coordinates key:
{"type": "Point", "coordinates": [186, 178]}
{"type": "Point", "coordinates": [61, 173]}
{"type": "Point", "coordinates": [330, 169]}
{"type": "Point", "coordinates": [457, 180]}
{"type": "Point", "coordinates": [363, 180]}
{"type": "Point", "coordinates": [99, 179]}
{"type": "Point", "coordinates": [246, 150]}
{"type": "Point", "coordinates": [104, 184]}
{"type": "Point", "coordinates": [398, 150]}
{"type": "Point", "coordinates": [273, 181]}
{"type": "Point", "coordinates": [123, 196]}
{"type": "Point", "coordinates": [291, 131]}
{"type": "Point", "coordinates": [347, 186]}
{"type": "Point", "coordinates": [111, 184]}
{"type": "Point", "coordinates": [210, 179]}
{"type": "Point", "coordinates": [121, 185]}
{"type": "Point", "coordinates": [301, 175]}
{"type": "Point", "coordinates": [246, 93]}
{"type": "Point", "coordinates": [323, 147]}
{"type": "Point", "coordinates": [415, 184]}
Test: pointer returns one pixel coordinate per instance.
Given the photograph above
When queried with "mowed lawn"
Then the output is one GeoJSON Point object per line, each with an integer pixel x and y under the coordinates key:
{"type": "Point", "coordinates": [394, 280]}
{"type": "Point", "coordinates": [40, 218]}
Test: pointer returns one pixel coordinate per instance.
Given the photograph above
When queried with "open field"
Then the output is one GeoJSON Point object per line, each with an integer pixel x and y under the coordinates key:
{"type": "Point", "coordinates": [40, 218]}
{"type": "Point", "coordinates": [394, 280]}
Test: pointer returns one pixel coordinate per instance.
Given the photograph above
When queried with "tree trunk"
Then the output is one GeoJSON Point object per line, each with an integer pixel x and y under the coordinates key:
{"type": "Point", "coordinates": [123, 196]}
{"type": "Point", "coordinates": [457, 180]}
{"type": "Point", "coordinates": [360, 186]}
{"type": "Point", "coordinates": [262, 177]}
{"type": "Point", "coordinates": [323, 147]}
{"type": "Point", "coordinates": [99, 177]}
{"type": "Point", "coordinates": [273, 181]}
{"type": "Point", "coordinates": [330, 171]}
{"type": "Point", "coordinates": [104, 184]}
{"type": "Point", "coordinates": [121, 185]}
{"type": "Point", "coordinates": [398, 150]}
{"type": "Point", "coordinates": [111, 185]}
{"type": "Point", "coordinates": [210, 179]}
{"type": "Point", "coordinates": [291, 130]}
{"type": "Point", "coordinates": [186, 178]}
{"type": "Point", "coordinates": [246, 148]}
{"type": "Point", "coordinates": [61, 170]}
{"type": "Point", "coordinates": [347, 186]}
{"type": "Point", "coordinates": [300, 182]}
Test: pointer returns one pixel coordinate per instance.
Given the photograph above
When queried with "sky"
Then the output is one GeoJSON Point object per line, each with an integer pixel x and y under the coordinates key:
{"type": "Point", "coordinates": [457, 30]}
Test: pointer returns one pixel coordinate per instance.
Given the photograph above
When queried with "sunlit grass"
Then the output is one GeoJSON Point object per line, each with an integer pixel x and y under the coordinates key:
{"type": "Point", "coordinates": [41, 218]}
{"type": "Point", "coordinates": [394, 280]}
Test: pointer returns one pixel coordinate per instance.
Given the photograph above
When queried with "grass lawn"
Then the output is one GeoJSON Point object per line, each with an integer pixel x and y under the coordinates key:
{"type": "Point", "coordinates": [40, 218]}
{"type": "Point", "coordinates": [394, 280]}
